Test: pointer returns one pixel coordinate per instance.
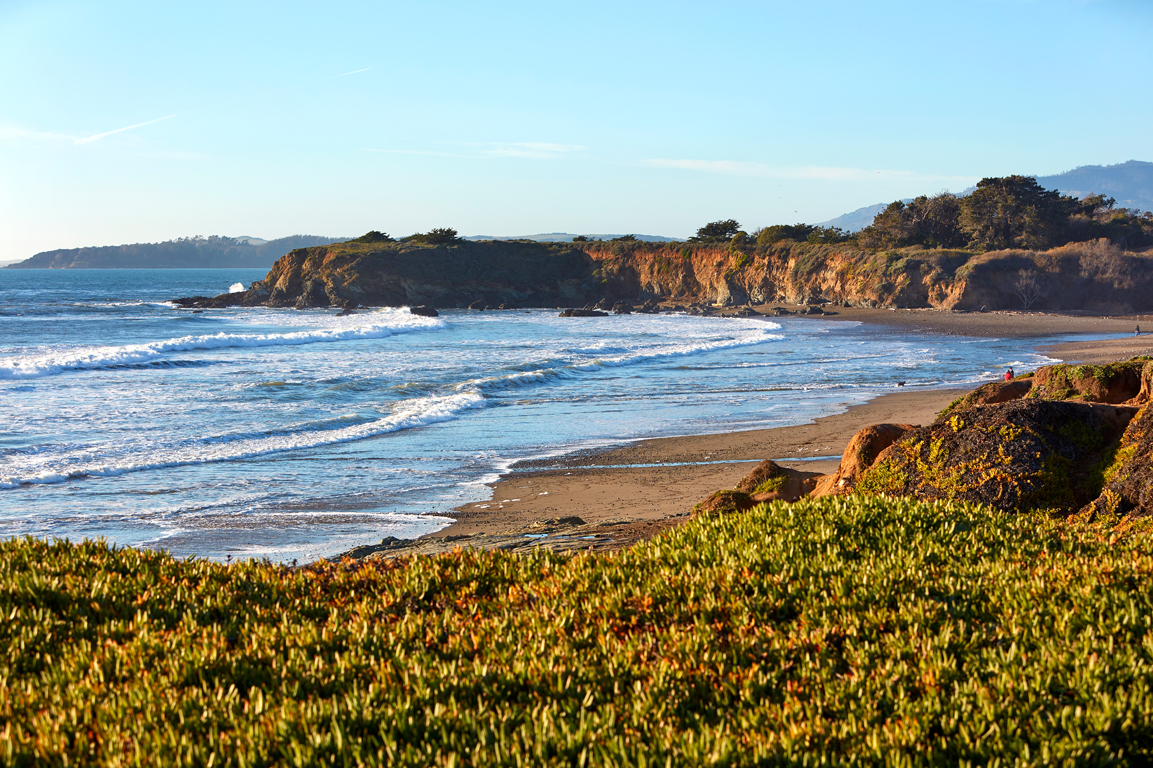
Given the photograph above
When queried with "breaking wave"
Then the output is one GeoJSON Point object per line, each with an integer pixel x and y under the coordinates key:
{"type": "Point", "coordinates": [38, 469]}
{"type": "Point", "coordinates": [89, 358]}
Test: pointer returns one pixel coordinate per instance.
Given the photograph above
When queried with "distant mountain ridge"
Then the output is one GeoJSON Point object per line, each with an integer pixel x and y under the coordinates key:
{"type": "Point", "coordinates": [213, 252]}
{"type": "Point", "coordinates": [566, 237]}
{"type": "Point", "coordinates": [1129, 183]}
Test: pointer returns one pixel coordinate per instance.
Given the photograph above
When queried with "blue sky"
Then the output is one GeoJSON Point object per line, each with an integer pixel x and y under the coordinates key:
{"type": "Point", "coordinates": [143, 121]}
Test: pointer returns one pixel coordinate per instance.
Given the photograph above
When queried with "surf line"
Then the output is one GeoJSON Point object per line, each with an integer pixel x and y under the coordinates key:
{"type": "Point", "coordinates": [786, 459]}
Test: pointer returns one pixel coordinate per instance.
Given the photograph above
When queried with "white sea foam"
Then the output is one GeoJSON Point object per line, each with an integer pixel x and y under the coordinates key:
{"type": "Point", "coordinates": [541, 375]}
{"type": "Point", "coordinates": [61, 361]}
{"type": "Point", "coordinates": [86, 463]}
{"type": "Point", "coordinates": [236, 288]}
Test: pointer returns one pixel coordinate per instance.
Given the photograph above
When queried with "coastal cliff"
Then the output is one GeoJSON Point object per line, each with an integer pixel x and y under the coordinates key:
{"type": "Point", "coordinates": [1093, 276]}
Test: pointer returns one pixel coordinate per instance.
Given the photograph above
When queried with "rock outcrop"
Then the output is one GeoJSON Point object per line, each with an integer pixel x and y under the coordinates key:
{"type": "Point", "coordinates": [1016, 456]}
{"type": "Point", "coordinates": [858, 456]}
{"type": "Point", "coordinates": [1069, 440]}
{"type": "Point", "coordinates": [1128, 477]}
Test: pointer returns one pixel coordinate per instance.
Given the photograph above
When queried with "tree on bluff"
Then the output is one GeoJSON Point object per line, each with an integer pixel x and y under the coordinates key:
{"type": "Point", "coordinates": [934, 222]}
{"type": "Point", "coordinates": [437, 236]}
{"type": "Point", "coordinates": [716, 232]}
{"type": "Point", "coordinates": [1016, 212]}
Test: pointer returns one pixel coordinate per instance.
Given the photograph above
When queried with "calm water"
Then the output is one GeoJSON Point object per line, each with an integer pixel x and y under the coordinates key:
{"type": "Point", "coordinates": [297, 434]}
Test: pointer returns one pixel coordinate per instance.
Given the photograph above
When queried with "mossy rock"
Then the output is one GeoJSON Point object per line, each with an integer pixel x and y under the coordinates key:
{"type": "Point", "coordinates": [1015, 456]}
{"type": "Point", "coordinates": [723, 503]}
{"type": "Point", "coordinates": [765, 477]}
{"type": "Point", "coordinates": [992, 393]}
{"type": "Point", "coordinates": [1127, 473]}
{"type": "Point", "coordinates": [1129, 381]}
{"type": "Point", "coordinates": [862, 450]}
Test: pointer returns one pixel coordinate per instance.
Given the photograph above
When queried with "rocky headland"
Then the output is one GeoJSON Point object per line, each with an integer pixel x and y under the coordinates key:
{"type": "Point", "coordinates": [1096, 276]}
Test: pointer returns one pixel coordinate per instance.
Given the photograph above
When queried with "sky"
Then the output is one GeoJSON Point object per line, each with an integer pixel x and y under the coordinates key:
{"type": "Point", "coordinates": [126, 122]}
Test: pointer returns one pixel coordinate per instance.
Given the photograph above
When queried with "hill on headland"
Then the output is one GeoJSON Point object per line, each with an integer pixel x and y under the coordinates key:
{"type": "Point", "coordinates": [186, 252]}
{"type": "Point", "coordinates": [567, 237]}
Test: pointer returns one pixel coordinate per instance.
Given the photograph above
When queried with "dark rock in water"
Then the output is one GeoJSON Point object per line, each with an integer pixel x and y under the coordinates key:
{"type": "Point", "coordinates": [605, 304]}
{"type": "Point", "coordinates": [387, 544]}
{"type": "Point", "coordinates": [346, 311]}
{"type": "Point", "coordinates": [479, 305]}
{"type": "Point", "coordinates": [650, 307]}
{"type": "Point", "coordinates": [582, 313]}
{"type": "Point", "coordinates": [424, 311]}
{"type": "Point", "coordinates": [622, 308]}
{"type": "Point", "coordinates": [1015, 456]}
{"type": "Point", "coordinates": [557, 522]}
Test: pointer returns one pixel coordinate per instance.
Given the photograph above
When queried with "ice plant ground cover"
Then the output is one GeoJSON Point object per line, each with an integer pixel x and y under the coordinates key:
{"type": "Point", "coordinates": [859, 630]}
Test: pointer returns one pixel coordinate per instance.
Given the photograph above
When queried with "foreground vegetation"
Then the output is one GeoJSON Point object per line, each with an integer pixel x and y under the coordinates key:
{"type": "Point", "coordinates": [858, 630]}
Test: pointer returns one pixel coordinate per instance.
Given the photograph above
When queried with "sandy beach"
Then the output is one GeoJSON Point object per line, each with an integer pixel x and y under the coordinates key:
{"type": "Point", "coordinates": [606, 499]}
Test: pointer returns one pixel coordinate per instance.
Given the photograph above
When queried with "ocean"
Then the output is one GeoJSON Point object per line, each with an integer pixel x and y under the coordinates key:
{"type": "Point", "coordinates": [295, 435]}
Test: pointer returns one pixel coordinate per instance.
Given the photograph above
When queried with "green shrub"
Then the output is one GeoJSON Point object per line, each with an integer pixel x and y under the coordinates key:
{"type": "Point", "coordinates": [833, 631]}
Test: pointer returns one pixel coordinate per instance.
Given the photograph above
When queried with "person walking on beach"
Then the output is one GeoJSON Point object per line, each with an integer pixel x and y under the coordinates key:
{"type": "Point", "coordinates": [1009, 374]}
{"type": "Point", "coordinates": [1137, 332]}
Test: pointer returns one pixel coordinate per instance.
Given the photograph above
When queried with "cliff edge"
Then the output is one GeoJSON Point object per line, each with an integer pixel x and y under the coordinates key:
{"type": "Point", "coordinates": [1095, 276]}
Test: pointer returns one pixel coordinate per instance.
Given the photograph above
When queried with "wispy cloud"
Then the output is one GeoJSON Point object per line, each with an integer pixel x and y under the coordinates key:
{"type": "Point", "coordinates": [99, 136]}
{"type": "Point", "coordinates": [826, 173]}
{"type": "Point", "coordinates": [353, 72]}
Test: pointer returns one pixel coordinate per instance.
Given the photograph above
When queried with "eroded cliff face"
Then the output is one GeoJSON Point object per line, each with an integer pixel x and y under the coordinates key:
{"type": "Point", "coordinates": [1094, 276]}
{"type": "Point", "coordinates": [790, 273]}
{"type": "Point", "coordinates": [1087, 276]}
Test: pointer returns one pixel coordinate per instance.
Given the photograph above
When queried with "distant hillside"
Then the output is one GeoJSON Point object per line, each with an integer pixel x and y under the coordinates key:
{"type": "Point", "coordinates": [566, 237]}
{"type": "Point", "coordinates": [1130, 184]}
{"type": "Point", "coordinates": [856, 220]}
{"type": "Point", "coordinates": [187, 252]}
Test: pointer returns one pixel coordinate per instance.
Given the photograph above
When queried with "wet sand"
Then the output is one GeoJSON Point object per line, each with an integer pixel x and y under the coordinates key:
{"type": "Point", "coordinates": [603, 500]}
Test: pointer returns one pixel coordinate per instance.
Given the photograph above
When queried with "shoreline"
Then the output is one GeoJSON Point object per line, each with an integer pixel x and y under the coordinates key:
{"type": "Point", "coordinates": [606, 499]}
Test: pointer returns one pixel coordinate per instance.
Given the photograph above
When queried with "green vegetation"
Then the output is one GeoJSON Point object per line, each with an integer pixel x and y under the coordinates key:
{"type": "Point", "coordinates": [808, 233]}
{"type": "Point", "coordinates": [772, 485]}
{"type": "Point", "coordinates": [717, 232]}
{"type": "Point", "coordinates": [436, 236]}
{"type": "Point", "coordinates": [374, 237]}
{"type": "Point", "coordinates": [1006, 212]}
{"type": "Point", "coordinates": [855, 630]}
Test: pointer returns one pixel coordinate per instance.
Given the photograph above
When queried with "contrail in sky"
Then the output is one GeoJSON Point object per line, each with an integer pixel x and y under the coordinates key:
{"type": "Point", "coordinates": [97, 137]}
